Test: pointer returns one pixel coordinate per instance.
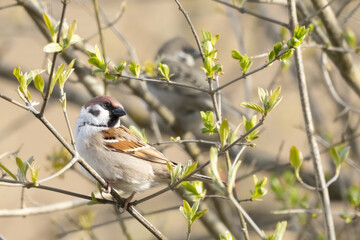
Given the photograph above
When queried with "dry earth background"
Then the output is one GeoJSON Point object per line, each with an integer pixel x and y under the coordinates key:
{"type": "Point", "coordinates": [146, 25]}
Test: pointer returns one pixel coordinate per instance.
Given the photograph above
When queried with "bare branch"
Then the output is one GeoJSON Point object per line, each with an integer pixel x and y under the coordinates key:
{"type": "Point", "coordinates": [309, 127]}
{"type": "Point", "coordinates": [246, 11]}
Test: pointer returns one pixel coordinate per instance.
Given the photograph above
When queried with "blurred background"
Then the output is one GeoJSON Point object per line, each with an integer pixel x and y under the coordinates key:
{"type": "Point", "coordinates": [146, 26]}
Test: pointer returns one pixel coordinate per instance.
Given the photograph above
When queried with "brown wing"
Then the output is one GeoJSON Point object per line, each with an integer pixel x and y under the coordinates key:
{"type": "Point", "coordinates": [123, 140]}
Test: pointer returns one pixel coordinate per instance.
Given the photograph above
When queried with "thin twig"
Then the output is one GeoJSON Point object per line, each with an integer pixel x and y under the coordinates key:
{"type": "Point", "coordinates": [9, 6]}
{"type": "Point", "coordinates": [121, 77]}
{"type": "Point", "coordinates": [258, 231]}
{"type": "Point", "coordinates": [102, 42]}
{"type": "Point", "coordinates": [192, 29]}
{"type": "Point", "coordinates": [61, 171]}
{"type": "Point", "coordinates": [312, 211]}
{"type": "Point", "coordinates": [331, 87]}
{"type": "Point", "coordinates": [64, 233]}
{"type": "Point", "coordinates": [48, 90]}
{"type": "Point", "coordinates": [245, 75]}
{"type": "Point", "coordinates": [246, 11]}
{"type": "Point", "coordinates": [309, 126]}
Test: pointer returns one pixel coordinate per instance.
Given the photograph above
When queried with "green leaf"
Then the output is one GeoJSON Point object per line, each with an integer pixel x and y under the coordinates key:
{"type": "Point", "coordinates": [208, 121]}
{"type": "Point", "coordinates": [34, 173]}
{"type": "Point", "coordinates": [121, 67]}
{"type": "Point", "coordinates": [351, 38]}
{"type": "Point", "coordinates": [353, 196]}
{"type": "Point", "coordinates": [135, 69]}
{"type": "Point", "coordinates": [98, 55]}
{"type": "Point", "coordinates": [97, 63]}
{"type": "Point", "coordinates": [198, 215]}
{"type": "Point", "coordinates": [71, 32]}
{"type": "Point", "coordinates": [274, 98]}
{"type": "Point", "coordinates": [52, 47]}
{"type": "Point", "coordinates": [277, 48]}
{"type": "Point", "coordinates": [39, 83]}
{"type": "Point", "coordinates": [344, 153]}
{"type": "Point", "coordinates": [287, 54]}
{"type": "Point", "coordinates": [49, 24]}
{"type": "Point", "coordinates": [140, 134]}
{"type": "Point", "coordinates": [93, 200]}
{"type": "Point", "coordinates": [296, 158]}
{"type": "Point", "coordinates": [186, 211]}
{"type": "Point", "coordinates": [271, 56]}
{"type": "Point", "coordinates": [195, 189]}
{"type": "Point", "coordinates": [335, 156]}
{"type": "Point", "coordinates": [208, 48]}
{"type": "Point", "coordinates": [214, 169]}
{"type": "Point", "coordinates": [164, 71]}
{"type": "Point", "coordinates": [253, 106]}
{"type": "Point", "coordinates": [8, 172]}
{"type": "Point", "coordinates": [224, 132]}
{"type": "Point", "coordinates": [208, 63]}
{"type": "Point", "coordinates": [237, 55]}
{"type": "Point", "coordinates": [227, 236]}
{"type": "Point", "coordinates": [21, 169]}
{"type": "Point", "coordinates": [279, 231]}
{"type": "Point", "coordinates": [187, 169]}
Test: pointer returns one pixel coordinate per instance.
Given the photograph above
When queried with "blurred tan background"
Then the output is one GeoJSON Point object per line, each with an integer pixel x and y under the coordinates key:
{"type": "Point", "coordinates": [146, 25]}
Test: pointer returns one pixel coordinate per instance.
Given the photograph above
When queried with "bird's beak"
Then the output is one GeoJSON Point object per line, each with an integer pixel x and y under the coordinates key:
{"type": "Point", "coordinates": [119, 112]}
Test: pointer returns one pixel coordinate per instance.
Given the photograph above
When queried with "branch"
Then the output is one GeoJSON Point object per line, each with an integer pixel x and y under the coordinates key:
{"type": "Point", "coordinates": [309, 127]}
{"type": "Point", "coordinates": [29, 211]}
{"type": "Point", "coordinates": [246, 11]}
{"type": "Point", "coordinates": [344, 61]}
{"type": "Point", "coordinates": [192, 29]}
{"type": "Point", "coordinates": [332, 89]}
{"type": "Point", "coordinates": [48, 90]}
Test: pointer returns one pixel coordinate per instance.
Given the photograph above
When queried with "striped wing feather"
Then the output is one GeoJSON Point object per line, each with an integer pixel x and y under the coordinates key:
{"type": "Point", "coordinates": [123, 140]}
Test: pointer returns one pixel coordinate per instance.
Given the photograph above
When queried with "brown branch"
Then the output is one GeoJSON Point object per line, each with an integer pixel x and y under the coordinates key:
{"type": "Point", "coordinates": [309, 127]}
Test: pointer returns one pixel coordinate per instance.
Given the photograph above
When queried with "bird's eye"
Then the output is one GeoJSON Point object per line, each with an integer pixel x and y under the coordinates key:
{"type": "Point", "coordinates": [94, 112]}
{"type": "Point", "coordinates": [107, 105]}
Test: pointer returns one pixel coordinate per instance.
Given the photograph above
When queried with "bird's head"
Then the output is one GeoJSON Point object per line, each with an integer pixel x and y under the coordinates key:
{"type": "Point", "coordinates": [102, 111]}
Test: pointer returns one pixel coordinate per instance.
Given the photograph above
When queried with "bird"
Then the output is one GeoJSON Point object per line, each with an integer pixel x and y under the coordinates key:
{"type": "Point", "coordinates": [184, 63]}
{"type": "Point", "coordinates": [120, 157]}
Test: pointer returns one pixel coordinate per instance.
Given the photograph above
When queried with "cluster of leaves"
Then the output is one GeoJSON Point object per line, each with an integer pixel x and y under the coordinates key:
{"type": "Point", "coordinates": [60, 76]}
{"type": "Point", "coordinates": [269, 101]}
{"type": "Point", "coordinates": [208, 46]}
{"type": "Point", "coordinates": [68, 36]}
{"type": "Point", "coordinates": [294, 42]}
{"type": "Point", "coordinates": [210, 125]}
{"type": "Point", "coordinates": [353, 197]}
{"type": "Point", "coordinates": [195, 189]}
{"type": "Point", "coordinates": [23, 168]}
{"type": "Point", "coordinates": [178, 171]}
{"type": "Point", "coordinates": [244, 60]}
{"type": "Point", "coordinates": [191, 214]}
{"type": "Point", "coordinates": [25, 79]}
{"type": "Point", "coordinates": [287, 192]}
{"type": "Point", "coordinates": [260, 189]}
{"type": "Point", "coordinates": [248, 125]}
{"type": "Point", "coordinates": [96, 59]}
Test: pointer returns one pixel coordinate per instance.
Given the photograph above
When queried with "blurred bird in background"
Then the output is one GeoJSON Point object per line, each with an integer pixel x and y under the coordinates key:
{"type": "Point", "coordinates": [184, 62]}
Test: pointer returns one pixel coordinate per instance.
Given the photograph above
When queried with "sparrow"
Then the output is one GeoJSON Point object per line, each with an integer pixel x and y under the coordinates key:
{"type": "Point", "coordinates": [121, 158]}
{"type": "Point", "coordinates": [184, 63]}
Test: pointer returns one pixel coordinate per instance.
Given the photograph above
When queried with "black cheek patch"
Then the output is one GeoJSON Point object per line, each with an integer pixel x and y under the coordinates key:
{"type": "Point", "coordinates": [94, 112]}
